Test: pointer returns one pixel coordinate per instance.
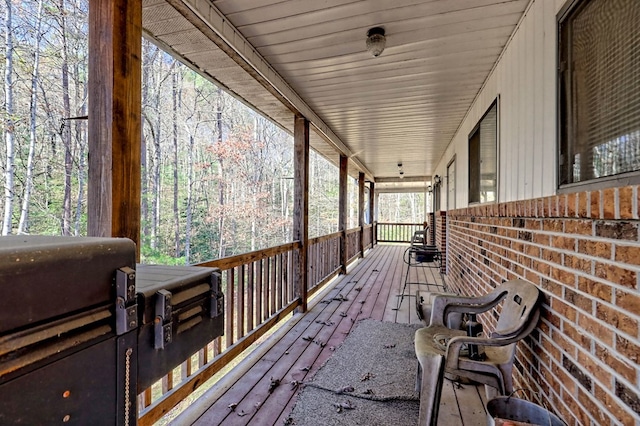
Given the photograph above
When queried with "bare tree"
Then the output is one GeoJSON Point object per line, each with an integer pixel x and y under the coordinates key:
{"type": "Point", "coordinates": [9, 138]}
{"type": "Point", "coordinates": [65, 133]}
{"type": "Point", "coordinates": [221, 184]}
{"type": "Point", "coordinates": [33, 108]}
{"type": "Point", "coordinates": [176, 95]}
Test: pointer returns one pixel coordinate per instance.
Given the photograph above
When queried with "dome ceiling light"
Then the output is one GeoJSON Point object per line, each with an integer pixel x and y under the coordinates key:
{"type": "Point", "coordinates": [376, 41]}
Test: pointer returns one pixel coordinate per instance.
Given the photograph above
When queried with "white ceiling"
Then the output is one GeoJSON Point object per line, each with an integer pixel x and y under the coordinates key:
{"type": "Point", "coordinates": [309, 56]}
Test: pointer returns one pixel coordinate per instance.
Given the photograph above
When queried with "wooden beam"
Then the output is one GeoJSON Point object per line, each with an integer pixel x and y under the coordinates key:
{"type": "Point", "coordinates": [342, 212]}
{"type": "Point", "coordinates": [372, 206]}
{"type": "Point", "coordinates": [361, 212]}
{"type": "Point", "coordinates": [301, 207]}
{"type": "Point", "coordinates": [115, 70]}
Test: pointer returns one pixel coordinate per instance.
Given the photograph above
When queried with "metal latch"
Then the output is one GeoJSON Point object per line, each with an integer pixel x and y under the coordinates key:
{"type": "Point", "coordinates": [217, 298]}
{"type": "Point", "coordinates": [126, 307]}
{"type": "Point", "coordinates": [163, 331]}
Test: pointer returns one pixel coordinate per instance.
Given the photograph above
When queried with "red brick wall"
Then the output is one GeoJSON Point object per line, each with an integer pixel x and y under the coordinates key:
{"type": "Point", "coordinates": [583, 251]}
{"type": "Point", "coordinates": [441, 238]}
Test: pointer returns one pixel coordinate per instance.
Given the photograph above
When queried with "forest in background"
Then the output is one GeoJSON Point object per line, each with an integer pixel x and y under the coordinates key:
{"type": "Point", "coordinates": [216, 176]}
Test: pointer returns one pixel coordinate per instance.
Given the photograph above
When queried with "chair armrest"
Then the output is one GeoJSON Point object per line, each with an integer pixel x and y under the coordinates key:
{"type": "Point", "coordinates": [456, 343]}
{"type": "Point", "coordinates": [443, 304]}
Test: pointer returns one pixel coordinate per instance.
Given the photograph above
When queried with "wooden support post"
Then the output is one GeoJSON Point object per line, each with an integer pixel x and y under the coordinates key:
{"type": "Point", "coordinates": [342, 212]}
{"type": "Point", "coordinates": [301, 208]}
{"type": "Point", "coordinates": [361, 212]}
{"type": "Point", "coordinates": [372, 205]}
{"type": "Point", "coordinates": [115, 70]}
{"type": "Point", "coordinates": [376, 203]}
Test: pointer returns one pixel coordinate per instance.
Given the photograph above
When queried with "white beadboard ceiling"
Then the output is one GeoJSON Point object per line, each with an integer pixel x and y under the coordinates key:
{"type": "Point", "coordinates": [309, 57]}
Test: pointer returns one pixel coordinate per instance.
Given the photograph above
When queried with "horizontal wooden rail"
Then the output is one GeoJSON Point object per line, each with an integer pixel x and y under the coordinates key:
{"type": "Point", "coordinates": [242, 259]}
{"type": "Point", "coordinates": [317, 240]}
{"type": "Point", "coordinates": [397, 232]}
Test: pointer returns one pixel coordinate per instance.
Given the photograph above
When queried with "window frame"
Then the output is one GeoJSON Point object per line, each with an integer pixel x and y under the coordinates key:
{"type": "Point", "coordinates": [565, 146]}
{"type": "Point", "coordinates": [476, 130]}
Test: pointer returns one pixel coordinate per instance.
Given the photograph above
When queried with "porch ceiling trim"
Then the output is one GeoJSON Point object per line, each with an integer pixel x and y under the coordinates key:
{"type": "Point", "coordinates": [422, 179]}
{"type": "Point", "coordinates": [211, 22]}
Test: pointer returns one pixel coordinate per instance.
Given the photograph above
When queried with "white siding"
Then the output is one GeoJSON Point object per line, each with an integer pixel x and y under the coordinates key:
{"type": "Point", "coordinates": [524, 79]}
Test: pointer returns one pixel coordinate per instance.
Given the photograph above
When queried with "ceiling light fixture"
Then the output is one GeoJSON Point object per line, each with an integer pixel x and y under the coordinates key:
{"type": "Point", "coordinates": [376, 41]}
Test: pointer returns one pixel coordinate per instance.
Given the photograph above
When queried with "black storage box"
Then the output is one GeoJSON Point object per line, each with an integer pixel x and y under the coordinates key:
{"type": "Point", "coordinates": [181, 311]}
{"type": "Point", "coordinates": [68, 337]}
{"type": "Point", "coordinates": [427, 253]}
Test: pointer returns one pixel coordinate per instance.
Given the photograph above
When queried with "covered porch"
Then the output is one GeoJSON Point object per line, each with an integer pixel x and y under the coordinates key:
{"type": "Point", "coordinates": [415, 123]}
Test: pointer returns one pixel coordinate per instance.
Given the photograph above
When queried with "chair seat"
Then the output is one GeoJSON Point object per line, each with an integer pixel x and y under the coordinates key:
{"type": "Point", "coordinates": [425, 343]}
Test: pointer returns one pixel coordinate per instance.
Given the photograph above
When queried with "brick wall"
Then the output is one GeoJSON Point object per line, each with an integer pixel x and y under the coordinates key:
{"type": "Point", "coordinates": [583, 251]}
{"type": "Point", "coordinates": [432, 227]}
{"type": "Point", "coordinates": [441, 238]}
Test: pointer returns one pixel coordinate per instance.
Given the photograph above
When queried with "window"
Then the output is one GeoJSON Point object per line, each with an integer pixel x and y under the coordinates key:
{"type": "Point", "coordinates": [451, 184]}
{"type": "Point", "coordinates": [599, 90]}
{"type": "Point", "coordinates": [483, 164]}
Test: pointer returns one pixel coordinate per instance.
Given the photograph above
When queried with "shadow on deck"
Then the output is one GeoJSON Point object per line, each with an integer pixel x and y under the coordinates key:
{"type": "Point", "coordinates": [374, 288]}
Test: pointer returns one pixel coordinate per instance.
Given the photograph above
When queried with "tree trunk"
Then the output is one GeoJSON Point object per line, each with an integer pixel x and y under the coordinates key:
{"type": "Point", "coordinates": [80, 132]}
{"type": "Point", "coordinates": [221, 184]}
{"type": "Point", "coordinates": [28, 185]}
{"type": "Point", "coordinates": [156, 169]}
{"type": "Point", "coordinates": [66, 130]}
{"type": "Point", "coordinates": [9, 126]}
{"type": "Point", "coordinates": [189, 212]}
{"type": "Point", "coordinates": [176, 208]}
{"type": "Point", "coordinates": [144, 202]}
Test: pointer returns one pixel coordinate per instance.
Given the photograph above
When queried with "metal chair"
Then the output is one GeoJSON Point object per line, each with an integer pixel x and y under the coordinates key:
{"type": "Point", "coordinates": [439, 349]}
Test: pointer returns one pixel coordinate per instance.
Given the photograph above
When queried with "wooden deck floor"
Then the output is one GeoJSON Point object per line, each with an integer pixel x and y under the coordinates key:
{"type": "Point", "coordinates": [372, 289]}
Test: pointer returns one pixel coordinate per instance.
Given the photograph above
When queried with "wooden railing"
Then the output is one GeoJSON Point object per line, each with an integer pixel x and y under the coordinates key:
{"type": "Point", "coordinates": [323, 258]}
{"type": "Point", "coordinates": [353, 243]}
{"type": "Point", "coordinates": [367, 238]}
{"type": "Point", "coordinates": [259, 293]}
{"type": "Point", "coordinates": [258, 290]}
{"type": "Point", "coordinates": [397, 232]}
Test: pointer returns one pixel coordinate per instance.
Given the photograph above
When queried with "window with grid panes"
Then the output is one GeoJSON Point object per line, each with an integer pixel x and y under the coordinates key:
{"type": "Point", "coordinates": [599, 90]}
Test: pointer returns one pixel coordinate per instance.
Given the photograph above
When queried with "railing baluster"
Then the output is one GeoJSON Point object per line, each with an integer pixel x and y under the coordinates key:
{"type": "Point", "coordinates": [274, 284]}
{"type": "Point", "coordinates": [229, 317]}
{"type": "Point", "coordinates": [288, 278]}
{"type": "Point", "coordinates": [259, 292]}
{"type": "Point", "coordinates": [267, 287]}
{"type": "Point", "coordinates": [240, 302]}
{"type": "Point", "coordinates": [250, 297]}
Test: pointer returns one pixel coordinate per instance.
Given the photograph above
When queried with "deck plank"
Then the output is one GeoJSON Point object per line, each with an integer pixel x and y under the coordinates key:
{"type": "Point", "coordinates": [370, 290]}
{"type": "Point", "coordinates": [471, 406]}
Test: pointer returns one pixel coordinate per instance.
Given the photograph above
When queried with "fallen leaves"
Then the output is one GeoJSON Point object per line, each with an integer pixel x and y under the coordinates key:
{"type": "Point", "coordinates": [346, 405]}
{"type": "Point", "coordinates": [340, 298]}
{"type": "Point", "coordinates": [367, 376]}
{"type": "Point", "coordinates": [274, 384]}
{"type": "Point", "coordinates": [346, 389]}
